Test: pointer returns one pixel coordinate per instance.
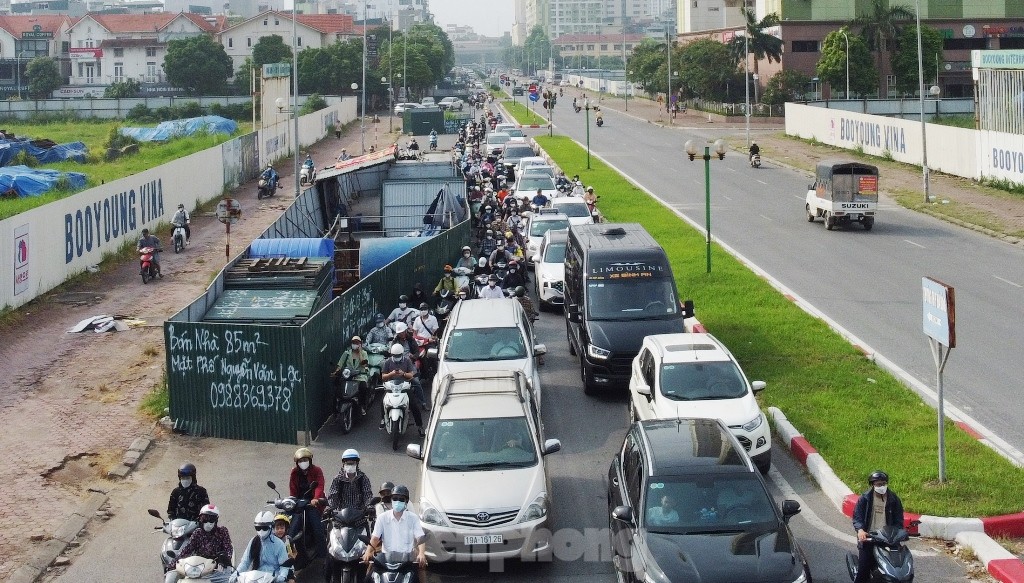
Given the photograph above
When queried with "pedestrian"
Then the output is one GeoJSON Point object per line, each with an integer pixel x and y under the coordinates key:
{"type": "Point", "coordinates": [337, 129]}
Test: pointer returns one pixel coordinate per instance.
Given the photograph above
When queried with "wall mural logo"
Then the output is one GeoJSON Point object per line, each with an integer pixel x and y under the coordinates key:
{"type": "Point", "coordinates": [111, 218]}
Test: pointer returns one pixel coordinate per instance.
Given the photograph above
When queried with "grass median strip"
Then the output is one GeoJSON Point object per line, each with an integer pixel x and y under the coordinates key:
{"type": "Point", "coordinates": [523, 114]}
{"type": "Point", "coordinates": [857, 415]}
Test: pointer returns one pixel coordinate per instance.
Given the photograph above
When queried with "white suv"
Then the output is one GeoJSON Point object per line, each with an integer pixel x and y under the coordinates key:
{"type": "Point", "coordinates": [549, 269]}
{"type": "Point", "coordinates": [484, 487]}
{"type": "Point", "coordinates": [695, 375]}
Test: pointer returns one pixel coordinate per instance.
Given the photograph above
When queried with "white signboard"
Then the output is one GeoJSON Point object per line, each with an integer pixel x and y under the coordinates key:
{"type": "Point", "coordinates": [72, 92]}
{"type": "Point", "coordinates": [939, 311]}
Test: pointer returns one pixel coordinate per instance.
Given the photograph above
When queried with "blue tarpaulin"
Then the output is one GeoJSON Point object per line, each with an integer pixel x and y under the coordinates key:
{"type": "Point", "coordinates": [74, 151]}
{"type": "Point", "coordinates": [27, 181]}
{"type": "Point", "coordinates": [212, 124]}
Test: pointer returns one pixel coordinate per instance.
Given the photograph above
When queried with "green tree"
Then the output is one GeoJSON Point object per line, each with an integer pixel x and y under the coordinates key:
{"type": "Point", "coordinates": [904, 60]}
{"type": "Point", "coordinates": [879, 27]}
{"type": "Point", "coordinates": [271, 49]}
{"type": "Point", "coordinates": [424, 57]}
{"type": "Point", "coordinates": [198, 65]}
{"type": "Point", "coordinates": [831, 67]}
{"type": "Point", "coordinates": [316, 72]}
{"type": "Point", "coordinates": [786, 85]}
{"type": "Point", "coordinates": [647, 66]}
{"type": "Point", "coordinates": [43, 76]}
{"type": "Point", "coordinates": [705, 66]}
{"type": "Point", "coordinates": [243, 77]}
{"type": "Point", "coordinates": [122, 89]}
{"type": "Point", "coordinates": [313, 103]}
{"type": "Point", "coordinates": [761, 44]}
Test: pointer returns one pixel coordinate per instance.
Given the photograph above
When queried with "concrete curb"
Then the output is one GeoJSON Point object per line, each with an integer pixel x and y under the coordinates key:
{"type": "Point", "coordinates": [66, 533]}
{"type": "Point", "coordinates": [969, 532]}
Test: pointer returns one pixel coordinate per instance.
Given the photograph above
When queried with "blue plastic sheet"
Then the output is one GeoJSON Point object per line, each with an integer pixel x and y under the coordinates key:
{"type": "Point", "coordinates": [167, 130]}
{"type": "Point", "coordinates": [292, 247]}
{"type": "Point", "coordinates": [74, 151]}
{"type": "Point", "coordinates": [27, 181]}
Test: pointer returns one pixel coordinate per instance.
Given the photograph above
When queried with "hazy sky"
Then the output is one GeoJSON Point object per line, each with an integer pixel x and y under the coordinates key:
{"type": "Point", "coordinates": [487, 17]}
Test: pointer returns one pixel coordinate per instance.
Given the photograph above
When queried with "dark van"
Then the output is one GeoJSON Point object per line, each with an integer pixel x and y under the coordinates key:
{"type": "Point", "coordinates": [618, 289]}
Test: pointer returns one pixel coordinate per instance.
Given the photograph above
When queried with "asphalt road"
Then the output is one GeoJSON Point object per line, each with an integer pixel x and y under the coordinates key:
{"type": "Point", "coordinates": [590, 429]}
{"type": "Point", "coordinates": [869, 282]}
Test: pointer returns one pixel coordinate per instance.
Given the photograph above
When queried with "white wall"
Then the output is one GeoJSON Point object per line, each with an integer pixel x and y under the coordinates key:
{"type": "Point", "coordinates": [62, 238]}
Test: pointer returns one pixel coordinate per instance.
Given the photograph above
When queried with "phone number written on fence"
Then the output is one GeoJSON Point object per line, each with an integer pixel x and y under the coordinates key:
{"type": "Point", "coordinates": [276, 398]}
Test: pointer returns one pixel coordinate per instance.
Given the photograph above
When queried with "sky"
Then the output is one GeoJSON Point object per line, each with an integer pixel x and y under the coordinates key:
{"type": "Point", "coordinates": [487, 17]}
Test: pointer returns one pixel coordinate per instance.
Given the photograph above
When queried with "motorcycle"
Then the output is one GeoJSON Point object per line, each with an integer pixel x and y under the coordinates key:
{"type": "Point", "coordinates": [197, 568]}
{"type": "Point", "coordinates": [146, 264]}
{"type": "Point", "coordinates": [307, 174]}
{"type": "Point", "coordinates": [755, 160]}
{"type": "Point", "coordinates": [433, 142]}
{"type": "Point", "coordinates": [461, 282]}
{"type": "Point", "coordinates": [178, 236]}
{"type": "Point", "coordinates": [500, 270]}
{"type": "Point", "coordinates": [265, 188]}
{"type": "Point", "coordinates": [347, 542]}
{"type": "Point", "coordinates": [257, 576]}
{"type": "Point", "coordinates": [178, 531]}
{"type": "Point", "coordinates": [303, 541]}
{"type": "Point", "coordinates": [600, 121]}
{"type": "Point", "coordinates": [893, 561]}
{"type": "Point", "coordinates": [393, 567]}
{"type": "Point", "coordinates": [348, 399]}
{"type": "Point", "coordinates": [396, 409]}
{"type": "Point", "coordinates": [376, 355]}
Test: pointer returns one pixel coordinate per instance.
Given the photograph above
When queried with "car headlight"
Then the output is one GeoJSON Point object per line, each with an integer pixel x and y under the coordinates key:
{"type": "Point", "coordinates": [654, 575]}
{"type": "Point", "coordinates": [194, 571]}
{"type": "Point", "coordinates": [287, 505]}
{"type": "Point", "coordinates": [598, 352]}
{"type": "Point", "coordinates": [537, 509]}
{"type": "Point", "coordinates": [753, 423]}
{"type": "Point", "coordinates": [431, 515]}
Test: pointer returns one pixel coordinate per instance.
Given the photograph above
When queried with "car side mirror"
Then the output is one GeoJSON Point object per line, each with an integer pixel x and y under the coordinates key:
{"type": "Point", "coordinates": [271, 485]}
{"type": "Point", "coordinates": [155, 513]}
{"type": "Point", "coordinates": [623, 514]}
{"type": "Point", "coordinates": [432, 352]}
{"type": "Point", "coordinates": [645, 391]}
{"type": "Point", "coordinates": [758, 386]}
{"type": "Point", "coordinates": [790, 508]}
{"type": "Point", "coordinates": [687, 307]}
{"type": "Point", "coordinates": [539, 350]}
{"type": "Point", "coordinates": [413, 450]}
{"type": "Point", "coordinates": [572, 312]}
{"type": "Point", "coordinates": [535, 259]}
{"type": "Point", "coordinates": [375, 501]}
{"type": "Point", "coordinates": [551, 446]}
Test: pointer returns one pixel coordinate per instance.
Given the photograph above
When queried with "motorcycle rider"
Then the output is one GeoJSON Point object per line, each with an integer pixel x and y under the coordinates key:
{"type": "Point", "coordinates": [265, 552]}
{"type": "Point", "coordinates": [524, 300]}
{"type": "Point", "coordinates": [413, 146]}
{"type": "Point", "coordinates": [425, 325]}
{"type": "Point", "coordinates": [385, 498]}
{"type": "Point", "coordinates": [492, 291]}
{"type": "Point", "coordinates": [147, 240]}
{"type": "Point", "coordinates": [417, 295]}
{"type": "Point", "coordinates": [355, 359]}
{"type": "Point", "coordinates": [182, 218]}
{"type": "Point", "coordinates": [380, 333]}
{"type": "Point", "coordinates": [876, 508]}
{"type": "Point", "coordinates": [401, 367]}
{"type": "Point", "coordinates": [447, 282]}
{"type": "Point", "coordinates": [403, 313]}
{"type": "Point", "coordinates": [500, 254]}
{"type": "Point", "coordinates": [433, 139]}
{"type": "Point", "coordinates": [351, 487]}
{"type": "Point", "coordinates": [344, 155]}
{"type": "Point", "coordinates": [488, 244]}
{"type": "Point", "coordinates": [271, 176]}
{"type": "Point", "coordinates": [754, 149]}
{"type": "Point", "coordinates": [188, 497]}
{"type": "Point", "coordinates": [515, 277]}
{"type": "Point", "coordinates": [210, 541]}
{"type": "Point", "coordinates": [300, 485]}
{"type": "Point", "coordinates": [466, 260]}
{"type": "Point", "coordinates": [539, 200]}
{"type": "Point", "coordinates": [600, 118]}
{"type": "Point", "coordinates": [398, 531]}
{"type": "Point", "coordinates": [403, 337]}
{"type": "Point", "coordinates": [590, 198]}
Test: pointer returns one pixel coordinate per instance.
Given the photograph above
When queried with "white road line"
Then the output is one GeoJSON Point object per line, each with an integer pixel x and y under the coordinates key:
{"type": "Point", "coordinates": [798, 197]}
{"type": "Point", "coordinates": [731, 169]}
{"type": "Point", "coordinates": [788, 493]}
{"type": "Point", "coordinates": [725, 197]}
{"type": "Point", "coordinates": [1007, 281]}
{"type": "Point", "coordinates": [763, 182]}
{"type": "Point", "coordinates": [913, 243]}
{"type": "Point", "coordinates": [767, 218]}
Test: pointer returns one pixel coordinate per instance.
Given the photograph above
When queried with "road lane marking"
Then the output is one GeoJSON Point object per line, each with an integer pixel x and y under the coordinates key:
{"type": "Point", "coordinates": [763, 182]}
{"type": "Point", "coordinates": [1007, 281]}
{"type": "Point", "coordinates": [767, 218]}
{"type": "Point", "coordinates": [913, 243]}
{"type": "Point", "coordinates": [788, 493]}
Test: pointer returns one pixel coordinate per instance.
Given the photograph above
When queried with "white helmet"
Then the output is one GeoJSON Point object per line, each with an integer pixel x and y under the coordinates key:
{"type": "Point", "coordinates": [397, 350]}
{"type": "Point", "coordinates": [400, 327]}
{"type": "Point", "coordinates": [264, 518]}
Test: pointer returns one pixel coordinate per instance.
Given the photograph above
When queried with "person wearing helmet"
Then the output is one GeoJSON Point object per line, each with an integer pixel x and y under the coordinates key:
{"type": "Point", "coordinates": [524, 300]}
{"type": "Point", "coordinates": [385, 498]}
{"type": "Point", "coordinates": [403, 313]}
{"type": "Point", "coordinates": [590, 198]}
{"type": "Point", "coordinates": [151, 241]}
{"type": "Point", "coordinates": [182, 219]}
{"type": "Point", "coordinates": [380, 333]}
{"type": "Point", "coordinates": [754, 149]}
{"type": "Point", "coordinates": [447, 282]}
{"type": "Point", "coordinates": [351, 487]}
{"type": "Point", "coordinates": [398, 531]}
{"type": "Point", "coordinates": [265, 552]}
{"type": "Point", "coordinates": [188, 497]}
{"type": "Point", "coordinates": [488, 243]}
{"type": "Point", "coordinates": [425, 327]}
{"type": "Point", "coordinates": [356, 359]}
{"type": "Point", "coordinates": [400, 366]}
{"type": "Point", "coordinates": [417, 295]}
{"type": "Point", "coordinates": [515, 277]}
{"type": "Point", "coordinates": [877, 507]}
{"type": "Point", "coordinates": [210, 541]}
{"type": "Point", "coordinates": [500, 255]}
{"type": "Point", "coordinates": [491, 291]}
{"type": "Point", "coordinates": [403, 336]}
{"type": "Point", "coordinates": [271, 176]}
{"type": "Point", "coordinates": [466, 260]}
{"type": "Point", "coordinates": [281, 526]}
{"type": "Point", "coordinates": [306, 482]}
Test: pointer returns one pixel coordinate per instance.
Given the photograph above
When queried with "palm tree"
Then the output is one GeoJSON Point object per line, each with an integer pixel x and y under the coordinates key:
{"type": "Point", "coordinates": [760, 43]}
{"type": "Point", "coordinates": [880, 26]}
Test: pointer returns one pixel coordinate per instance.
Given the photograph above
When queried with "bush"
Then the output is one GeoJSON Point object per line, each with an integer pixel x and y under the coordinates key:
{"type": "Point", "coordinates": [313, 103]}
{"type": "Point", "coordinates": [116, 141]}
{"type": "Point", "coordinates": [140, 113]}
{"type": "Point", "coordinates": [189, 109]}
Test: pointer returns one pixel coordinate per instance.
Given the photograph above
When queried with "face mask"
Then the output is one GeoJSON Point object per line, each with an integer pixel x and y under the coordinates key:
{"type": "Point", "coordinates": [264, 534]}
{"type": "Point", "coordinates": [423, 313]}
{"type": "Point", "coordinates": [398, 505]}
{"type": "Point", "coordinates": [491, 284]}
{"type": "Point", "coordinates": [350, 469]}
{"type": "Point", "coordinates": [466, 254]}
{"type": "Point", "coordinates": [513, 270]}
{"type": "Point", "coordinates": [303, 466]}
{"type": "Point", "coordinates": [397, 358]}
{"type": "Point", "coordinates": [185, 482]}
{"type": "Point", "coordinates": [881, 490]}
{"type": "Point", "coordinates": [208, 526]}
{"type": "Point", "coordinates": [402, 306]}
{"type": "Point", "coordinates": [356, 346]}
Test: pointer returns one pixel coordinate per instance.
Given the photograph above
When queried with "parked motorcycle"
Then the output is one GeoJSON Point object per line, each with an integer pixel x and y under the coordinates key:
{"type": "Point", "coordinates": [347, 542]}
{"type": "Point", "coordinates": [396, 409]}
{"type": "Point", "coordinates": [303, 541]}
{"type": "Point", "coordinates": [893, 561]}
{"type": "Point", "coordinates": [755, 160]}
{"type": "Point", "coordinates": [146, 265]}
{"type": "Point", "coordinates": [178, 237]}
{"type": "Point", "coordinates": [265, 188]}
{"type": "Point", "coordinates": [178, 531]}
{"type": "Point", "coordinates": [393, 567]}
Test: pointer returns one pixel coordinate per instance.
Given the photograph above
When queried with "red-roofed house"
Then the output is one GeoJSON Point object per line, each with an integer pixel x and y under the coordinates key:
{"type": "Point", "coordinates": [311, 31]}
{"type": "Point", "coordinates": [23, 38]}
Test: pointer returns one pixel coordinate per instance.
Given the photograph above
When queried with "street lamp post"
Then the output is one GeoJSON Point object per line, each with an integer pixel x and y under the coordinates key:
{"type": "Point", "coordinates": [924, 177]}
{"type": "Point", "coordinates": [362, 116]}
{"type": "Point", "coordinates": [847, 63]}
{"type": "Point", "coordinates": [668, 71]}
{"type": "Point", "coordinates": [691, 151]}
{"type": "Point", "coordinates": [746, 84]}
{"type": "Point", "coordinates": [295, 99]}
{"type": "Point", "coordinates": [383, 81]}
{"type": "Point", "coordinates": [586, 106]}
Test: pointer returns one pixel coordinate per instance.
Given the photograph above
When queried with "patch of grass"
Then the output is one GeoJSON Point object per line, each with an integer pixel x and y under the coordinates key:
{"type": "Point", "coordinates": [523, 114]}
{"type": "Point", "coordinates": [951, 209]}
{"type": "Point", "coordinates": [825, 386]}
{"type": "Point", "coordinates": [155, 404]}
{"type": "Point", "coordinates": [1014, 188]}
{"type": "Point", "coordinates": [957, 121]}
{"type": "Point", "coordinates": [151, 351]}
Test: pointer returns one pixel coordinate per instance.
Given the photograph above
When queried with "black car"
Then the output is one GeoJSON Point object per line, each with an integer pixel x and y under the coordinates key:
{"type": "Point", "coordinates": [517, 91]}
{"type": "Point", "coordinates": [687, 504]}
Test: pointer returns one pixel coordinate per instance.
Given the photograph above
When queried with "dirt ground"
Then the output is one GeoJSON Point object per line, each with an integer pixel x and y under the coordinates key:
{"type": "Point", "coordinates": [70, 404]}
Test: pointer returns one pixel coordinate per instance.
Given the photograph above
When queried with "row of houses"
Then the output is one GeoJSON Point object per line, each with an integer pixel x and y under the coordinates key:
{"type": "Point", "coordinates": [98, 49]}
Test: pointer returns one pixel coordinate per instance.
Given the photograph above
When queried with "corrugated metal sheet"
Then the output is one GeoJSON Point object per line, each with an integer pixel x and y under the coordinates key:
{"type": "Point", "coordinates": [292, 247]}
{"type": "Point", "coordinates": [405, 203]}
{"type": "Point", "coordinates": [421, 170]}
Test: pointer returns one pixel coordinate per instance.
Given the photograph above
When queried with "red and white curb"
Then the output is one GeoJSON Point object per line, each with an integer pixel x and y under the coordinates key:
{"type": "Point", "coordinates": [975, 533]}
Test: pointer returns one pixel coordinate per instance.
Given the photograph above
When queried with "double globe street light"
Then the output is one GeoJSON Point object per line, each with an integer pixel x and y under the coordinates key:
{"type": "Point", "coordinates": [691, 151]}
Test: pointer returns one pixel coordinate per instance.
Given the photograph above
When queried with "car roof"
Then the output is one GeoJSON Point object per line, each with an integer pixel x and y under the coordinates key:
{"type": "Point", "coordinates": [509, 385]}
{"type": "Point", "coordinates": [491, 313]}
{"type": "Point", "coordinates": [497, 135]}
{"type": "Point", "coordinates": [557, 235]}
{"type": "Point", "coordinates": [567, 200]}
{"type": "Point", "coordinates": [689, 347]}
{"type": "Point", "coordinates": [688, 446]}
{"type": "Point", "coordinates": [541, 217]}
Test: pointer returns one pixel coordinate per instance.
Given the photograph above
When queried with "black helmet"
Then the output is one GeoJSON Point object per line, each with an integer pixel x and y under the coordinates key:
{"type": "Point", "coordinates": [878, 476]}
{"type": "Point", "coordinates": [187, 469]}
{"type": "Point", "coordinates": [379, 319]}
{"type": "Point", "coordinates": [386, 486]}
{"type": "Point", "coordinates": [400, 490]}
{"type": "Point", "coordinates": [403, 299]}
{"type": "Point", "coordinates": [520, 291]}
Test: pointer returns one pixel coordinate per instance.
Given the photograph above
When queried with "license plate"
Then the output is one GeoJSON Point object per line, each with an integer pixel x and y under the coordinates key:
{"type": "Point", "coordinates": [484, 539]}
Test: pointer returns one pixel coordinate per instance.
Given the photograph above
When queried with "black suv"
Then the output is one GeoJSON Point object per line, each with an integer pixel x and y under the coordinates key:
{"type": "Point", "coordinates": [687, 504]}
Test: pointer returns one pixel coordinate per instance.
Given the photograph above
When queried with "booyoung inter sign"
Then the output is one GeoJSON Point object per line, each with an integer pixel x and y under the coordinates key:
{"type": "Point", "coordinates": [939, 311]}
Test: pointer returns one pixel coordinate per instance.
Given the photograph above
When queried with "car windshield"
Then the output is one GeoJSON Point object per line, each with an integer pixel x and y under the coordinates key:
{"type": "Point", "coordinates": [702, 504]}
{"type": "Point", "coordinates": [532, 183]}
{"type": "Point", "coordinates": [498, 138]}
{"type": "Point", "coordinates": [538, 228]}
{"type": "Point", "coordinates": [515, 133]}
{"type": "Point", "coordinates": [631, 299]}
{"type": "Point", "coordinates": [484, 344]}
{"type": "Point", "coordinates": [573, 209]}
{"type": "Point", "coordinates": [699, 381]}
{"type": "Point", "coordinates": [534, 171]}
{"type": "Point", "coordinates": [517, 152]}
{"type": "Point", "coordinates": [460, 445]}
{"type": "Point", "coordinates": [555, 253]}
